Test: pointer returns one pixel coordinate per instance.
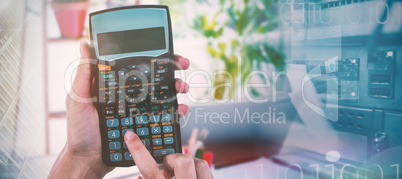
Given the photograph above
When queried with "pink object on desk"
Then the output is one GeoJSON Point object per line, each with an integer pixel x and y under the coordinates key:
{"type": "Point", "coordinates": [71, 17]}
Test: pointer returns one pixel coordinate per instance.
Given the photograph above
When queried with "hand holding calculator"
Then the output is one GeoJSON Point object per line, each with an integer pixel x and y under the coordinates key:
{"type": "Point", "coordinates": [82, 154]}
{"type": "Point", "coordinates": [85, 150]}
{"type": "Point", "coordinates": [135, 81]}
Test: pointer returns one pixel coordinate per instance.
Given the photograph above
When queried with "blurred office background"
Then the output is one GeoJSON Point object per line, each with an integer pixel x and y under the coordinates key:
{"type": "Point", "coordinates": [360, 39]}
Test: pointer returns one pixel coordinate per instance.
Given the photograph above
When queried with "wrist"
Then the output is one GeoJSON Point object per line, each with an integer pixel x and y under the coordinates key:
{"type": "Point", "coordinates": [84, 166]}
{"type": "Point", "coordinates": [71, 164]}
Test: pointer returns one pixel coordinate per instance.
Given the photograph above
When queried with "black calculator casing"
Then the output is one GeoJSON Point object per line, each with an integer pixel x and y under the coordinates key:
{"type": "Point", "coordinates": [155, 104]}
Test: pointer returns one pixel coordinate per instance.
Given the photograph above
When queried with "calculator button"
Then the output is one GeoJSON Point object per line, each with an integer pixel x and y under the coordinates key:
{"type": "Point", "coordinates": [141, 89]}
{"type": "Point", "coordinates": [109, 112]}
{"type": "Point", "coordinates": [141, 120]}
{"type": "Point", "coordinates": [159, 79]}
{"type": "Point", "coordinates": [162, 152]}
{"type": "Point", "coordinates": [163, 70]}
{"type": "Point", "coordinates": [165, 96]}
{"type": "Point", "coordinates": [114, 145]}
{"type": "Point", "coordinates": [166, 106]}
{"type": "Point", "coordinates": [163, 61]}
{"type": "Point", "coordinates": [108, 102]}
{"type": "Point", "coordinates": [157, 141]}
{"type": "Point", "coordinates": [123, 73]}
{"type": "Point", "coordinates": [115, 156]}
{"type": "Point", "coordinates": [113, 134]}
{"type": "Point", "coordinates": [168, 140]}
{"type": "Point", "coordinates": [142, 131]}
{"type": "Point", "coordinates": [166, 117]}
{"type": "Point", "coordinates": [125, 130]}
{"type": "Point", "coordinates": [112, 123]}
{"type": "Point", "coordinates": [124, 145]}
{"type": "Point", "coordinates": [113, 83]}
{"type": "Point", "coordinates": [167, 129]}
{"type": "Point", "coordinates": [145, 142]}
{"type": "Point", "coordinates": [107, 76]}
{"type": "Point", "coordinates": [154, 107]}
{"type": "Point", "coordinates": [132, 100]}
{"type": "Point", "coordinates": [143, 109]}
{"type": "Point", "coordinates": [133, 111]}
{"type": "Point", "coordinates": [133, 66]}
{"type": "Point", "coordinates": [155, 118]}
{"type": "Point", "coordinates": [130, 90]}
{"type": "Point", "coordinates": [145, 71]}
{"type": "Point", "coordinates": [128, 156]}
{"type": "Point", "coordinates": [134, 78]}
{"type": "Point", "coordinates": [165, 87]}
{"type": "Point", "coordinates": [156, 130]}
{"type": "Point", "coordinates": [104, 67]}
{"type": "Point", "coordinates": [127, 121]}
{"type": "Point", "coordinates": [121, 112]}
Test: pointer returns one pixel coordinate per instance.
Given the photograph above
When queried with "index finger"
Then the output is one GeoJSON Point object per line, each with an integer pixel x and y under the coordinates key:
{"type": "Point", "coordinates": [145, 162]}
{"type": "Point", "coordinates": [182, 63]}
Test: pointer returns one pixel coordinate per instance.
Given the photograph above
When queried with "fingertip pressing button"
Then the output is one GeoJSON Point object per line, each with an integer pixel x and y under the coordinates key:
{"type": "Point", "coordinates": [125, 130]}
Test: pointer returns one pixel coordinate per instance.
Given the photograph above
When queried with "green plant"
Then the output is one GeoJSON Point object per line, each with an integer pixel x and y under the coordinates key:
{"type": "Point", "coordinates": [244, 19]}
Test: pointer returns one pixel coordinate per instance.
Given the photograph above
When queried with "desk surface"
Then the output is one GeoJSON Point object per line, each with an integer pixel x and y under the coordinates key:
{"type": "Point", "coordinates": [235, 152]}
{"type": "Point", "coordinates": [259, 168]}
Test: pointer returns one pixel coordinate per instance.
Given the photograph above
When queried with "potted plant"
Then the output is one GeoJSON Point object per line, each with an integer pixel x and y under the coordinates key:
{"type": "Point", "coordinates": [70, 15]}
{"type": "Point", "coordinates": [228, 31]}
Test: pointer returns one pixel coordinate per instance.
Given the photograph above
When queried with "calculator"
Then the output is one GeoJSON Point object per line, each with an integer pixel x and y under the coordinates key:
{"type": "Point", "coordinates": [135, 84]}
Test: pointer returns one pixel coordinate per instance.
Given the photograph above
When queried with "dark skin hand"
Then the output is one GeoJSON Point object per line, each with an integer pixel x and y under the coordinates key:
{"type": "Point", "coordinates": [81, 157]}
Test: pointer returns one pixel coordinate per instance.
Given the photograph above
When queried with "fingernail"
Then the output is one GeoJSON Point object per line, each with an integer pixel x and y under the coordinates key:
{"type": "Point", "coordinates": [186, 87]}
{"type": "Point", "coordinates": [129, 135]}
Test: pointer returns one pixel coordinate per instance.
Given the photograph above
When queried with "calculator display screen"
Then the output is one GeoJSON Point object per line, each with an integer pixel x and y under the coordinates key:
{"type": "Point", "coordinates": [128, 41]}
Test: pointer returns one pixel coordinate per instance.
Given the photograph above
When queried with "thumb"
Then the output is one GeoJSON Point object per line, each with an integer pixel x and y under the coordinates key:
{"type": "Point", "coordinates": [83, 79]}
